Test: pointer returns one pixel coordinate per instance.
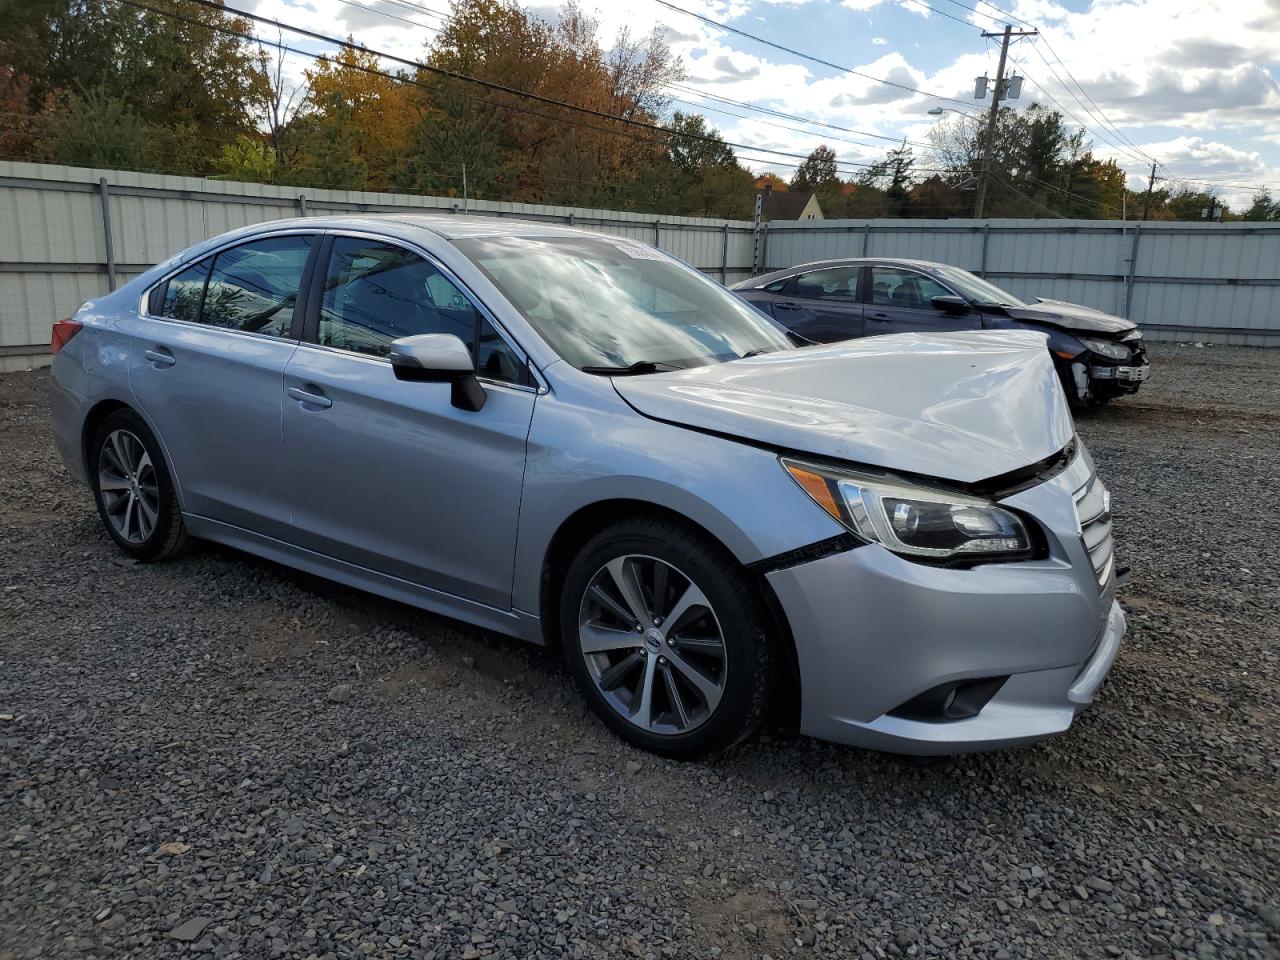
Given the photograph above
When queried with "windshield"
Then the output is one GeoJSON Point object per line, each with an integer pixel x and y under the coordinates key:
{"type": "Point", "coordinates": [614, 304]}
{"type": "Point", "coordinates": [977, 289]}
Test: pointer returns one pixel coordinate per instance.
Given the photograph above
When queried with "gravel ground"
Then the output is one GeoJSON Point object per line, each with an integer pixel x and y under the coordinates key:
{"type": "Point", "coordinates": [225, 757]}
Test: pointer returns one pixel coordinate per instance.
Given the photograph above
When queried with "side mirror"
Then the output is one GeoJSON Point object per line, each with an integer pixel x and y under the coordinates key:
{"type": "Point", "coordinates": [439, 358]}
{"type": "Point", "coordinates": [950, 304]}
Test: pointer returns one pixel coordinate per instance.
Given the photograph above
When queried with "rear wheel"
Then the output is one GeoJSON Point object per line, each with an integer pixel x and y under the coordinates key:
{"type": "Point", "coordinates": [135, 494]}
{"type": "Point", "coordinates": [666, 639]}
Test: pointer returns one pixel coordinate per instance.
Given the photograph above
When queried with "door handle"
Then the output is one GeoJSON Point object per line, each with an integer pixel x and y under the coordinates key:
{"type": "Point", "coordinates": [160, 356]}
{"type": "Point", "coordinates": [313, 396]}
{"type": "Point", "coordinates": [882, 317]}
{"type": "Point", "coordinates": [788, 304]}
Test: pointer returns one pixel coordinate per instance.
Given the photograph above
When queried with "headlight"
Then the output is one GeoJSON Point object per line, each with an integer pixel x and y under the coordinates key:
{"type": "Point", "coordinates": [915, 521]}
{"type": "Point", "coordinates": [1116, 351]}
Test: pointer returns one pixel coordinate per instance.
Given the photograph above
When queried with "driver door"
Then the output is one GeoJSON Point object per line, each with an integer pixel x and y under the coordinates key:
{"type": "Point", "coordinates": [387, 474]}
{"type": "Point", "coordinates": [901, 303]}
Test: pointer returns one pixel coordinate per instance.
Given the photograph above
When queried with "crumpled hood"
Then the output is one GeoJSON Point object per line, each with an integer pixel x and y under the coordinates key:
{"type": "Point", "coordinates": [1071, 317]}
{"type": "Point", "coordinates": [962, 407]}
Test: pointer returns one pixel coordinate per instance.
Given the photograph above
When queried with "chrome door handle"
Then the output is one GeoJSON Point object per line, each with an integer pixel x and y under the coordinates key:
{"type": "Point", "coordinates": [307, 396]}
{"type": "Point", "coordinates": [160, 356]}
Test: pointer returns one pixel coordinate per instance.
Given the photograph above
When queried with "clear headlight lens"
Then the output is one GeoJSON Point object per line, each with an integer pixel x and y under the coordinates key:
{"type": "Point", "coordinates": [1116, 351]}
{"type": "Point", "coordinates": [915, 521]}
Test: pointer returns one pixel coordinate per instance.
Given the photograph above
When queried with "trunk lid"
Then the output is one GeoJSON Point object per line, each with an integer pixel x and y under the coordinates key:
{"type": "Point", "coordinates": [961, 407]}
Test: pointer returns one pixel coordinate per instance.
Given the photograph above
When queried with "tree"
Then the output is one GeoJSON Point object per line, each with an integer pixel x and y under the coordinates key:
{"type": "Point", "coordinates": [381, 110]}
{"type": "Point", "coordinates": [249, 160]}
{"type": "Point", "coordinates": [281, 100]}
{"type": "Point", "coordinates": [169, 73]}
{"type": "Point", "coordinates": [1263, 207]}
{"type": "Point", "coordinates": [817, 171]}
{"type": "Point", "coordinates": [332, 158]}
{"type": "Point", "coordinates": [97, 130]}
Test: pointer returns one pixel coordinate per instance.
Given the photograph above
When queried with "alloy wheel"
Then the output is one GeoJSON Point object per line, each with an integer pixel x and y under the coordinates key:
{"type": "Point", "coordinates": [128, 487]}
{"type": "Point", "coordinates": [652, 644]}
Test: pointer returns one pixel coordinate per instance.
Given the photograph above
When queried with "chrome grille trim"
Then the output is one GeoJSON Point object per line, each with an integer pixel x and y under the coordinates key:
{"type": "Point", "coordinates": [1093, 509]}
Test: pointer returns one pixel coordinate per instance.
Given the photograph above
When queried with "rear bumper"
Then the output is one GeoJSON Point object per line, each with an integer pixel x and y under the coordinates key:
{"type": "Point", "coordinates": [873, 631]}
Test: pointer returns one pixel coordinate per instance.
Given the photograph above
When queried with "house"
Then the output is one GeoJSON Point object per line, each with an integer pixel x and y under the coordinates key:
{"type": "Point", "coordinates": [789, 205]}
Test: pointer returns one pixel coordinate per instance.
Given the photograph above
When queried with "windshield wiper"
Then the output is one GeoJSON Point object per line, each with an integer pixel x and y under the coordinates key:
{"type": "Point", "coordinates": [639, 367]}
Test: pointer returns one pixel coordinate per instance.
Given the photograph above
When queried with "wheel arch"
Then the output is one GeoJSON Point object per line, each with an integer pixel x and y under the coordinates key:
{"type": "Point", "coordinates": [581, 525]}
{"type": "Point", "coordinates": [93, 420]}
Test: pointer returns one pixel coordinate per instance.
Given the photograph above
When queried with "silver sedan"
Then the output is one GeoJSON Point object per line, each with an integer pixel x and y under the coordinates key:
{"type": "Point", "coordinates": [576, 440]}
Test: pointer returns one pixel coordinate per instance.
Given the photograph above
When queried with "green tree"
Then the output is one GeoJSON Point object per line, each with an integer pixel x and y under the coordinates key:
{"type": "Point", "coordinates": [97, 130]}
{"type": "Point", "coordinates": [248, 159]}
{"type": "Point", "coordinates": [331, 157]}
{"type": "Point", "coordinates": [817, 171]}
{"type": "Point", "coordinates": [1263, 207]}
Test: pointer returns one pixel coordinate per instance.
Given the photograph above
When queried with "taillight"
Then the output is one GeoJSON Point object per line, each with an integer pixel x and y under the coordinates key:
{"type": "Point", "coordinates": [63, 331]}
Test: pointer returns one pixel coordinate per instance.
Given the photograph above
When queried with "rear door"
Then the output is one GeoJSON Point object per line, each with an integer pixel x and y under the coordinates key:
{"type": "Point", "coordinates": [388, 474]}
{"type": "Point", "coordinates": [900, 302]}
{"type": "Point", "coordinates": [208, 371]}
{"type": "Point", "coordinates": [823, 306]}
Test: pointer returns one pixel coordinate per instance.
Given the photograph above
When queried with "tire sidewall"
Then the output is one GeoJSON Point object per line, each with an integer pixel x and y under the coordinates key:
{"type": "Point", "coordinates": [167, 513]}
{"type": "Point", "coordinates": [739, 616]}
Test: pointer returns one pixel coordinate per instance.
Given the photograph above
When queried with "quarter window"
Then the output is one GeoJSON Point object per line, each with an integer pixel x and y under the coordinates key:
{"type": "Point", "coordinates": [891, 287]}
{"type": "Point", "coordinates": [377, 292]}
{"type": "Point", "coordinates": [254, 287]}
{"type": "Point", "coordinates": [835, 283]}
{"type": "Point", "coordinates": [183, 293]}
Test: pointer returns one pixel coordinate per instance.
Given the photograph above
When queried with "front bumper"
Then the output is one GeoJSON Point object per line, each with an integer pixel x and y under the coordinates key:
{"type": "Point", "coordinates": [1120, 374]}
{"type": "Point", "coordinates": [872, 631]}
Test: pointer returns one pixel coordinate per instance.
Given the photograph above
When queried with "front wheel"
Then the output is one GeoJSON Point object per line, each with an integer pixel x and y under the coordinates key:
{"type": "Point", "coordinates": [666, 639]}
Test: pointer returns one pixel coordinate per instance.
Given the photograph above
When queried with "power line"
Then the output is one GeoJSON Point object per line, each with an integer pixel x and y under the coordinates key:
{"type": "Point", "coordinates": [960, 20]}
{"type": "Point", "coordinates": [805, 56]}
{"type": "Point", "coordinates": [1110, 139]}
{"type": "Point", "coordinates": [769, 111]}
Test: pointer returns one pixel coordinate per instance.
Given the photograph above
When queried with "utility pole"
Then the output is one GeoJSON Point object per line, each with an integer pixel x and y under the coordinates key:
{"type": "Point", "coordinates": [998, 92]}
{"type": "Point", "coordinates": [1146, 205]}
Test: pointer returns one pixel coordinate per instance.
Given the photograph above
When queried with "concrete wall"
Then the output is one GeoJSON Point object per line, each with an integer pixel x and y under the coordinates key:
{"type": "Point", "coordinates": [1219, 283]}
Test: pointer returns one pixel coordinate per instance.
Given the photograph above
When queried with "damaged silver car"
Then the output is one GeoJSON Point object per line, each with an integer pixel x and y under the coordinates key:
{"type": "Point", "coordinates": [576, 440]}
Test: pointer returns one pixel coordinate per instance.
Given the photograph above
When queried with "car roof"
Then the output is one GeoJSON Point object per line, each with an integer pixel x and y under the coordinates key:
{"type": "Point", "coordinates": [446, 225]}
{"type": "Point", "coordinates": [763, 279]}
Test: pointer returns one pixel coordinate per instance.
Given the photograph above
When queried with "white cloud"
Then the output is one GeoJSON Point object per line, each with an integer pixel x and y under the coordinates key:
{"type": "Point", "coordinates": [880, 41]}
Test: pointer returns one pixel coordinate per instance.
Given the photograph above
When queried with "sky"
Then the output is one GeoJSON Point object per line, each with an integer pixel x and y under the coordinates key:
{"type": "Point", "coordinates": [1192, 84]}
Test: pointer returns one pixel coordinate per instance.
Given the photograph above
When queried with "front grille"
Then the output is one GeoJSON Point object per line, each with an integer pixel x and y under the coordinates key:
{"type": "Point", "coordinates": [1093, 507]}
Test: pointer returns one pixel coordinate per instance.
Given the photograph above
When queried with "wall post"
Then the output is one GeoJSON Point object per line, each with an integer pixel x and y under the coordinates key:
{"type": "Point", "coordinates": [724, 254]}
{"type": "Point", "coordinates": [986, 235]}
{"type": "Point", "coordinates": [302, 205]}
{"type": "Point", "coordinates": [1133, 266]}
{"type": "Point", "coordinates": [104, 194]}
{"type": "Point", "coordinates": [866, 239]}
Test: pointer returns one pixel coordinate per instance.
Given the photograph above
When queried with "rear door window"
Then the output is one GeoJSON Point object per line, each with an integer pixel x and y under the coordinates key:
{"type": "Point", "coordinates": [835, 283]}
{"type": "Point", "coordinates": [254, 287]}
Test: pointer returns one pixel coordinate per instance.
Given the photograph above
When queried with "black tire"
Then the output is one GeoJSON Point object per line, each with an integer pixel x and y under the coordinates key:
{"type": "Point", "coordinates": [744, 624]}
{"type": "Point", "coordinates": [168, 536]}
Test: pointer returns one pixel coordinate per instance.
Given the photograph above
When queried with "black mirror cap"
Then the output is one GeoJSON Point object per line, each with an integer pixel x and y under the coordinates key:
{"type": "Point", "coordinates": [465, 391]}
{"type": "Point", "coordinates": [950, 304]}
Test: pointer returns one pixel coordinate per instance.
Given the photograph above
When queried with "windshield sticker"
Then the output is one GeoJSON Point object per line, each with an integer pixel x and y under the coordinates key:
{"type": "Point", "coordinates": [638, 251]}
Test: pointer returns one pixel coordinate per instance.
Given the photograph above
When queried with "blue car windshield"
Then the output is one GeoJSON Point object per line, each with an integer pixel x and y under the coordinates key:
{"type": "Point", "coordinates": [605, 304]}
{"type": "Point", "coordinates": [977, 289]}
